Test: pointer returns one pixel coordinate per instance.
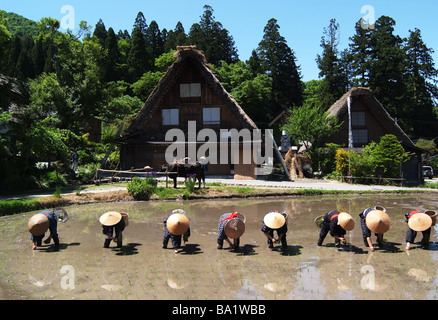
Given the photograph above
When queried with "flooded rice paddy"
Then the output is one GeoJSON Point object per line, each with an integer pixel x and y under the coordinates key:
{"type": "Point", "coordinates": [141, 269]}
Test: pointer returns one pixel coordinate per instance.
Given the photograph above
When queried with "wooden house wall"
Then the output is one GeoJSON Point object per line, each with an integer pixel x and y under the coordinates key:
{"type": "Point", "coordinates": [374, 127]}
{"type": "Point", "coordinates": [139, 156]}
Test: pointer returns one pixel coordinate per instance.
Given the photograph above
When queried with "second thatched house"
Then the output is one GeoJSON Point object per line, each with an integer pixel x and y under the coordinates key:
{"type": "Point", "coordinates": [188, 96]}
{"type": "Point", "coordinates": [368, 120]}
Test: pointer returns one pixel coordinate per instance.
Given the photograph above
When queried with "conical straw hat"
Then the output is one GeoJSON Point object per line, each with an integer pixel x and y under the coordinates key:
{"type": "Point", "coordinates": [178, 224]}
{"type": "Point", "coordinates": [38, 224]}
{"type": "Point", "coordinates": [234, 228]}
{"type": "Point", "coordinates": [420, 222]}
{"type": "Point", "coordinates": [274, 220]}
{"type": "Point", "coordinates": [346, 221]}
{"type": "Point", "coordinates": [110, 219]}
{"type": "Point", "coordinates": [378, 221]}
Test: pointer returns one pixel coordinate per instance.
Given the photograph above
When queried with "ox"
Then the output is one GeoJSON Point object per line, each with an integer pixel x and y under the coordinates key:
{"type": "Point", "coordinates": [176, 170]}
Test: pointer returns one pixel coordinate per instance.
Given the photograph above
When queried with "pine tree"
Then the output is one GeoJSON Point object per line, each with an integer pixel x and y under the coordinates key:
{"type": "Point", "coordinates": [14, 53]}
{"type": "Point", "coordinates": [386, 67]}
{"type": "Point", "coordinates": [39, 57]}
{"type": "Point", "coordinates": [359, 55]}
{"type": "Point", "coordinates": [176, 37]}
{"type": "Point", "coordinates": [213, 39]}
{"type": "Point", "coordinates": [138, 59]}
{"type": "Point", "coordinates": [154, 42]}
{"type": "Point", "coordinates": [421, 87]}
{"type": "Point", "coordinates": [140, 23]}
{"type": "Point", "coordinates": [100, 32]}
{"type": "Point", "coordinates": [25, 66]}
{"type": "Point", "coordinates": [279, 62]}
{"type": "Point", "coordinates": [334, 82]}
{"type": "Point", "coordinates": [113, 57]}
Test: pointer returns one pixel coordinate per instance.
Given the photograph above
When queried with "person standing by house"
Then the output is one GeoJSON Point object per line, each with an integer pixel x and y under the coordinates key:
{"type": "Point", "coordinates": [419, 221]}
{"type": "Point", "coordinates": [113, 226]}
{"type": "Point", "coordinates": [74, 160]}
{"type": "Point", "coordinates": [230, 227]}
{"type": "Point", "coordinates": [275, 221]}
{"type": "Point", "coordinates": [374, 220]}
{"type": "Point", "coordinates": [176, 228]}
{"type": "Point", "coordinates": [204, 163]}
{"type": "Point", "coordinates": [337, 223]}
{"type": "Point", "coordinates": [39, 224]}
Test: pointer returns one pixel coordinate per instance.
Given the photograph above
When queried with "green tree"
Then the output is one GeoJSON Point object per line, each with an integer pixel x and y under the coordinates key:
{"type": "Point", "coordinates": [421, 87]}
{"type": "Point", "coordinates": [278, 61]}
{"type": "Point", "coordinates": [428, 145]}
{"type": "Point", "coordinates": [112, 67]}
{"type": "Point", "coordinates": [39, 57]}
{"type": "Point", "coordinates": [154, 41]}
{"type": "Point", "coordinates": [253, 95]}
{"type": "Point", "coordinates": [311, 126]}
{"type": "Point", "coordinates": [138, 60]}
{"type": "Point", "coordinates": [176, 37]}
{"type": "Point", "coordinates": [100, 32]}
{"type": "Point", "coordinates": [386, 72]}
{"type": "Point", "coordinates": [5, 38]}
{"type": "Point", "coordinates": [359, 55]}
{"type": "Point", "coordinates": [48, 100]}
{"type": "Point", "coordinates": [388, 156]}
{"type": "Point", "coordinates": [334, 81]}
{"type": "Point", "coordinates": [25, 64]}
{"type": "Point", "coordinates": [144, 86]}
{"type": "Point", "coordinates": [213, 39]}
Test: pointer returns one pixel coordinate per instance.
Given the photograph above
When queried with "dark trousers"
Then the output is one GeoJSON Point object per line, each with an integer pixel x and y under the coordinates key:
{"type": "Point", "coordinates": [108, 242]}
{"type": "Point", "coordinates": [176, 240]}
{"type": "Point", "coordinates": [220, 242]}
{"type": "Point", "coordinates": [283, 239]}
{"type": "Point", "coordinates": [325, 228]}
{"type": "Point", "coordinates": [411, 234]}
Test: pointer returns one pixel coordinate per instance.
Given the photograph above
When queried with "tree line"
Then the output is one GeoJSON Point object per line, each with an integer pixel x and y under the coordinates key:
{"type": "Point", "coordinates": [74, 82]}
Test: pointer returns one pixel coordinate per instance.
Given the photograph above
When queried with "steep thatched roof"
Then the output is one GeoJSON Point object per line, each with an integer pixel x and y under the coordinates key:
{"type": "Point", "coordinates": [197, 58]}
{"type": "Point", "coordinates": [366, 97]}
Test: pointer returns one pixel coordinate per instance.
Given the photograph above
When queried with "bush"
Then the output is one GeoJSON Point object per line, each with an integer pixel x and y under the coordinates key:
{"type": "Point", "coordinates": [140, 189]}
{"type": "Point", "coordinates": [87, 172]}
{"type": "Point", "coordinates": [54, 179]}
{"type": "Point", "coordinates": [151, 178]}
{"type": "Point", "coordinates": [191, 182]}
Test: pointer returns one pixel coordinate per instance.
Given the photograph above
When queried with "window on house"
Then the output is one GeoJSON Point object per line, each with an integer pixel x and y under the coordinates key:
{"type": "Point", "coordinates": [360, 137]}
{"type": "Point", "coordinates": [170, 117]}
{"type": "Point", "coordinates": [358, 118]}
{"type": "Point", "coordinates": [211, 115]}
{"type": "Point", "coordinates": [188, 90]}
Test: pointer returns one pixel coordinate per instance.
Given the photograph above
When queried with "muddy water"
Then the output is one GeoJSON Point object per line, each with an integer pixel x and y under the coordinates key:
{"type": "Point", "coordinates": [141, 269]}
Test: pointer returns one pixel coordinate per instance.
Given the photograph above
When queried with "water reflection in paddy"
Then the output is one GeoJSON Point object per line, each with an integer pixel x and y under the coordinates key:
{"type": "Point", "coordinates": [143, 270]}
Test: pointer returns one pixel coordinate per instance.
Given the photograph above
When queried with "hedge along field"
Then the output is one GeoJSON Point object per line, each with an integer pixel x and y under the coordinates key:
{"type": "Point", "coordinates": [10, 207]}
{"type": "Point", "coordinates": [141, 269]}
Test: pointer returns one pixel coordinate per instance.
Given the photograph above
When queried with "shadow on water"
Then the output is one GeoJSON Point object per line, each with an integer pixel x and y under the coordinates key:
{"type": "Point", "coordinates": [390, 247]}
{"type": "Point", "coordinates": [347, 248]}
{"type": "Point", "coordinates": [289, 250]}
{"type": "Point", "coordinates": [191, 248]}
{"type": "Point", "coordinates": [127, 250]}
{"type": "Point", "coordinates": [62, 246]}
{"type": "Point", "coordinates": [245, 250]}
{"type": "Point", "coordinates": [432, 246]}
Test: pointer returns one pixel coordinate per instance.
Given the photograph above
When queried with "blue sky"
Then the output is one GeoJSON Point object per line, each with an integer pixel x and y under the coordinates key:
{"type": "Point", "coordinates": [301, 21]}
